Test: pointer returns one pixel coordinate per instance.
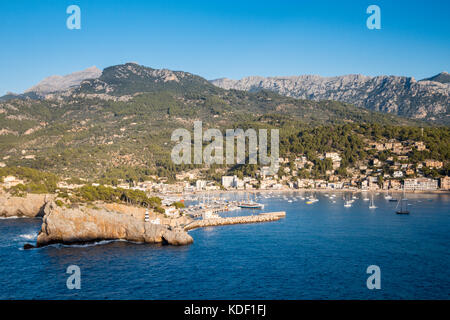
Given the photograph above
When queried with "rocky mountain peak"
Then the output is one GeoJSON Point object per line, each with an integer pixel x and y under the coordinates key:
{"type": "Point", "coordinates": [57, 83]}
{"type": "Point", "coordinates": [443, 77]}
{"type": "Point", "coordinates": [131, 78]}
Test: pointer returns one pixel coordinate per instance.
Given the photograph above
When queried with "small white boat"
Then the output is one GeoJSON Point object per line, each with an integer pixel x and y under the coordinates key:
{"type": "Point", "coordinates": [372, 204]}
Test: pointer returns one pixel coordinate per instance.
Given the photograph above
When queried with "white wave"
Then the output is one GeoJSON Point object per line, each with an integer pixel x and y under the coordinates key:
{"type": "Point", "coordinates": [91, 244]}
{"type": "Point", "coordinates": [11, 217]}
{"type": "Point", "coordinates": [29, 236]}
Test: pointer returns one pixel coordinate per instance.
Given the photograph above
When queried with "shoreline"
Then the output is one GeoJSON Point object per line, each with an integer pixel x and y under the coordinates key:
{"type": "Point", "coordinates": [447, 192]}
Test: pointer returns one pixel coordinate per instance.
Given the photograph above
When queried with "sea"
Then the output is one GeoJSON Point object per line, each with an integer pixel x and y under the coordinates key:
{"type": "Point", "coordinates": [321, 250]}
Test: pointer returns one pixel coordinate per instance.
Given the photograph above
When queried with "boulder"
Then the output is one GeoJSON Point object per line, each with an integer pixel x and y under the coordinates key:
{"type": "Point", "coordinates": [177, 237]}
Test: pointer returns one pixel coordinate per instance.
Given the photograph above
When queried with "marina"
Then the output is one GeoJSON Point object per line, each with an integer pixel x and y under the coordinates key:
{"type": "Point", "coordinates": [206, 205]}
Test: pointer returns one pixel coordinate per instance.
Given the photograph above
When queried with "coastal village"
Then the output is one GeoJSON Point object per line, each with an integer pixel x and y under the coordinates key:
{"type": "Point", "coordinates": [394, 173]}
{"type": "Point", "coordinates": [391, 173]}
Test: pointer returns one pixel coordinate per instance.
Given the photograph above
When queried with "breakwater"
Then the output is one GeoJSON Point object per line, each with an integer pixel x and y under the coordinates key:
{"type": "Point", "coordinates": [262, 217]}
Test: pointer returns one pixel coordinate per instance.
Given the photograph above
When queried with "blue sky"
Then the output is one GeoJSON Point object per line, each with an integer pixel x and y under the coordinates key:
{"type": "Point", "coordinates": [223, 38]}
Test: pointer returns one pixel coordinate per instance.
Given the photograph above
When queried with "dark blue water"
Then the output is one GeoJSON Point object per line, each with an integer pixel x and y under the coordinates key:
{"type": "Point", "coordinates": [319, 251]}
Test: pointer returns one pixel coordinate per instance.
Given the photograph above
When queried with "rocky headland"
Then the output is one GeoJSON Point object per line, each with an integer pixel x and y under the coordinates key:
{"type": "Point", "coordinates": [84, 225]}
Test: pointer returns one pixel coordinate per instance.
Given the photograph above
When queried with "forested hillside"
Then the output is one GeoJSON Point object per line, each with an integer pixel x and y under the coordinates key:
{"type": "Point", "coordinates": [120, 124]}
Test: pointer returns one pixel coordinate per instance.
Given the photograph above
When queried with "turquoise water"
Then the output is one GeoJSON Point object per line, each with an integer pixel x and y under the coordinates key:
{"type": "Point", "coordinates": [319, 251]}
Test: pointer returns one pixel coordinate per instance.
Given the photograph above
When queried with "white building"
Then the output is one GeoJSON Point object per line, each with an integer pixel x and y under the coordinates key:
{"type": "Point", "coordinates": [422, 184]}
{"type": "Point", "coordinates": [229, 181]}
{"type": "Point", "coordinates": [398, 174]}
{"type": "Point", "coordinates": [11, 181]}
{"type": "Point", "coordinates": [239, 183]}
{"type": "Point", "coordinates": [200, 184]}
{"type": "Point", "coordinates": [335, 185]}
{"type": "Point", "coordinates": [269, 171]}
{"type": "Point", "coordinates": [365, 185]}
{"type": "Point", "coordinates": [172, 212]}
{"type": "Point", "coordinates": [334, 156]}
{"type": "Point", "coordinates": [208, 214]}
{"type": "Point", "coordinates": [305, 183]}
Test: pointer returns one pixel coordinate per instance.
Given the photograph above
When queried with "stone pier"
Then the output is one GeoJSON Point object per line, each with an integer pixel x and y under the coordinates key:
{"type": "Point", "coordinates": [262, 217]}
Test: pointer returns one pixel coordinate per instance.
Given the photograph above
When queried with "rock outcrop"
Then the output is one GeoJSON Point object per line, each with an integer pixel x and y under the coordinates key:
{"type": "Point", "coordinates": [31, 205]}
{"type": "Point", "coordinates": [83, 224]}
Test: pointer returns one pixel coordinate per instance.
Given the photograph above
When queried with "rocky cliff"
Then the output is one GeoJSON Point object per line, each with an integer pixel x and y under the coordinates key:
{"type": "Point", "coordinates": [83, 224]}
{"type": "Point", "coordinates": [30, 206]}
{"type": "Point", "coordinates": [392, 94]}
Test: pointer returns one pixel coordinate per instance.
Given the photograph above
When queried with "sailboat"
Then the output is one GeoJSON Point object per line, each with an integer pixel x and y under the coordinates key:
{"type": "Point", "coordinates": [251, 204]}
{"type": "Point", "coordinates": [372, 204]}
{"type": "Point", "coordinates": [348, 203]}
{"type": "Point", "coordinates": [388, 196]}
{"type": "Point", "coordinates": [403, 205]}
{"type": "Point", "coordinates": [313, 198]}
{"type": "Point", "coordinates": [392, 199]}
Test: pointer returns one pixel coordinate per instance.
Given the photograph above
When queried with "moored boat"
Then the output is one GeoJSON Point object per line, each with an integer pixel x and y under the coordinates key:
{"type": "Point", "coordinates": [403, 205]}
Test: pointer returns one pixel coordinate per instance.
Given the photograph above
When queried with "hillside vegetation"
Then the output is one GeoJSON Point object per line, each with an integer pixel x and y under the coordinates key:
{"type": "Point", "coordinates": [119, 125]}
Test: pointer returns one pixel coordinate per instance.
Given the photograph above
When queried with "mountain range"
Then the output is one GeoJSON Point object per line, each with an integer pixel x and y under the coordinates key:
{"type": "Point", "coordinates": [427, 99]}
